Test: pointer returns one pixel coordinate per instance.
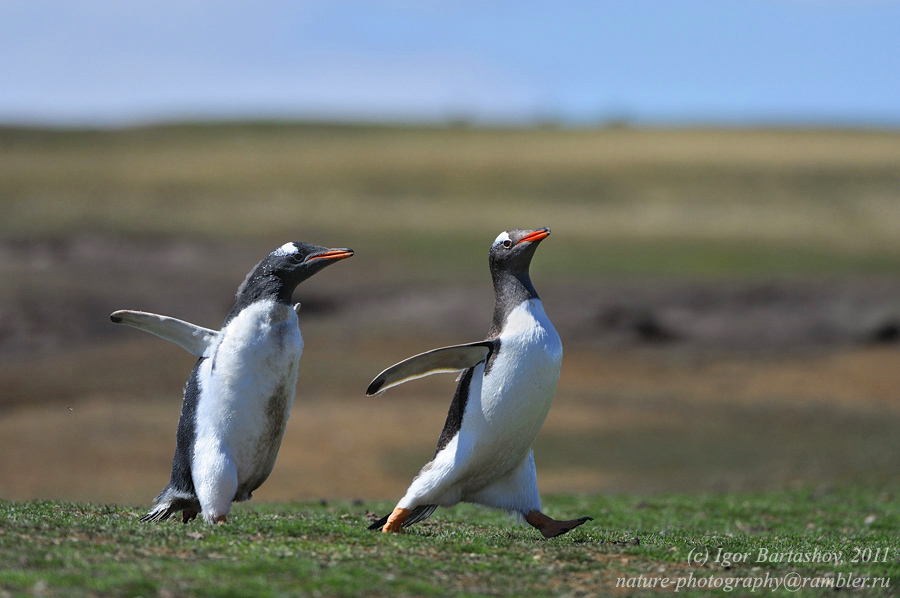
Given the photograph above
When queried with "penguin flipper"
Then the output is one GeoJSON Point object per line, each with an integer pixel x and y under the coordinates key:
{"type": "Point", "coordinates": [436, 361]}
{"type": "Point", "coordinates": [194, 339]}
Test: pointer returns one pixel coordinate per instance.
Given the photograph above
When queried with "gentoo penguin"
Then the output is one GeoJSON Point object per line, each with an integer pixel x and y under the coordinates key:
{"type": "Point", "coordinates": [484, 452]}
{"type": "Point", "coordinates": [240, 392]}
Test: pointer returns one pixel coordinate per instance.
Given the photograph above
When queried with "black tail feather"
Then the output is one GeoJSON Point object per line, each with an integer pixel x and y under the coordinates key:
{"type": "Point", "coordinates": [418, 514]}
{"type": "Point", "coordinates": [171, 501]}
{"type": "Point", "coordinates": [380, 523]}
{"type": "Point", "coordinates": [158, 513]}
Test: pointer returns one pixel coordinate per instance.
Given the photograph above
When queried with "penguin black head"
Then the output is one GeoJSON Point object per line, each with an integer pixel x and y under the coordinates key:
{"type": "Point", "coordinates": [282, 270]}
{"type": "Point", "coordinates": [295, 262]}
{"type": "Point", "coordinates": [510, 258]}
{"type": "Point", "coordinates": [513, 249]}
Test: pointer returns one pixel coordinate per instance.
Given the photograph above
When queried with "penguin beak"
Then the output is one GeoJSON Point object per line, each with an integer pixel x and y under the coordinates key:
{"type": "Point", "coordinates": [331, 254]}
{"type": "Point", "coordinates": [539, 234]}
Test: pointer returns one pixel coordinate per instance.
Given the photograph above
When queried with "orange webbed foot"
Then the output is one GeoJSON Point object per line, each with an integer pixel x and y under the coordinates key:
{"type": "Point", "coordinates": [395, 521]}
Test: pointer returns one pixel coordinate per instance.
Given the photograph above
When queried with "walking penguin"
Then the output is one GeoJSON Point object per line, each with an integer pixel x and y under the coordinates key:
{"type": "Point", "coordinates": [240, 392]}
{"type": "Point", "coordinates": [507, 383]}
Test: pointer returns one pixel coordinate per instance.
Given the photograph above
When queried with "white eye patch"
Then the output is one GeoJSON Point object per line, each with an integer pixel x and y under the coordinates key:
{"type": "Point", "coordinates": [504, 236]}
{"type": "Point", "coordinates": [286, 249]}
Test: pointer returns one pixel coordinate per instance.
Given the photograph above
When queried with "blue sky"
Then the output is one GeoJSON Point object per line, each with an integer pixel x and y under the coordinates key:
{"type": "Point", "coordinates": [691, 61]}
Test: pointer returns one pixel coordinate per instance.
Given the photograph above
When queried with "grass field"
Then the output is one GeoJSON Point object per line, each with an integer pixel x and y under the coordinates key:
{"type": "Point", "coordinates": [728, 300]}
{"type": "Point", "coordinates": [313, 549]}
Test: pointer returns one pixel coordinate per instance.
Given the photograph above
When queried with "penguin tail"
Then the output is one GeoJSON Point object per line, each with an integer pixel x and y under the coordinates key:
{"type": "Point", "coordinates": [418, 514]}
{"type": "Point", "coordinates": [160, 512]}
{"type": "Point", "coordinates": [171, 501]}
{"type": "Point", "coordinates": [379, 524]}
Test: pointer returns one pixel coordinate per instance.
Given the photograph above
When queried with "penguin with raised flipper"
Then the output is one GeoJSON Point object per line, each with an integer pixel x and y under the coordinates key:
{"type": "Point", "coordinates": [507, 383]}
{"type": "Point", "coordinates": [240, 392]}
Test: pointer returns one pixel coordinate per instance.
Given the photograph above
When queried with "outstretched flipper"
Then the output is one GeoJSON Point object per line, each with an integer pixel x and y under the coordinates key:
{"type": "Point", "coordinates": [194, 339]}
{"type": "Point", "coordinates": [436, 361]}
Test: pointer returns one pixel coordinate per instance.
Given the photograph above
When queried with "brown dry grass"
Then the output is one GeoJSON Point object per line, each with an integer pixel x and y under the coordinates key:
{"type": "Point", "coordinates": [798, 188]}
{"type": "Point", "coordinates": [169, 219]}
{"type": "Point", "coordinates": [113, 442]}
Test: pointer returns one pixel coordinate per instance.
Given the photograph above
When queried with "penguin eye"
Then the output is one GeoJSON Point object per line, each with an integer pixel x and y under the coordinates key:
{"type": "Point", "coordinates": [507, 243]}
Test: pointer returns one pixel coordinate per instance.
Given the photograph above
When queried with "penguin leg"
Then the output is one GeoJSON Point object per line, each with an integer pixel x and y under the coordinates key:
{"type": "Point", "coordinates": [518, 492]}
{"type": "Point", "coordinates": [395, 521]}
{"type": "Point", "coordinates": [550, 527]}
{"type": "Point", "coordinates": [434, 486]}
{"type": "Point", "coordinates": [215, 479]}
{"type": "Point", "coordinates": [188, 515]}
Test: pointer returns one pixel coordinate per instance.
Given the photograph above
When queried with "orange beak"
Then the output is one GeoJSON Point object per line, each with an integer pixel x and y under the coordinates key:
{"type": "Point", "coordinates": [334, 254]}
{"type": "Point", "coordinates": [535, 236]}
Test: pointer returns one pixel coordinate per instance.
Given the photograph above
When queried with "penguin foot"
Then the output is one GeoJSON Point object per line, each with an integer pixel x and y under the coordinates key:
{"type": "Point", "coordinates": [221, 520]}
{"type": "Point", "coordinates": [550, 527]}
{"type": "Point", "coordinates": [395, 521]}
{"type": "Point", "coordinates": [188, 515]}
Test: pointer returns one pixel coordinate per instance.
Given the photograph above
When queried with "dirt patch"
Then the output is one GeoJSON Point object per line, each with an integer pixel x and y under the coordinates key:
{"type": "Point", "coordinates": [57, 295]}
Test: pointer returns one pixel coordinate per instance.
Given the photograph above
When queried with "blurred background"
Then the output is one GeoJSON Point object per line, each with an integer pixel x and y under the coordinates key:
{"type": "Point", "coordinates": [722, 181]}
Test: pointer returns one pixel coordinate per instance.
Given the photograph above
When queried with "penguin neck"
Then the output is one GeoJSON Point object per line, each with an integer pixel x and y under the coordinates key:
{"type": "Point", "coordinates": [510, 291]}
{"type": "Point", "coordinates": [263, 288]}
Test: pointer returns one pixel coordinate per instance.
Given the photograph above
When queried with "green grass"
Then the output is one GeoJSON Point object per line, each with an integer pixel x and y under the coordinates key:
{"type": "Point", "coordinates": [315, 549]}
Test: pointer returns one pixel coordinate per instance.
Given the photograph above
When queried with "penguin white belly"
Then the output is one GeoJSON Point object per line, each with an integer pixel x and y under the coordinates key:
{"type": "Point", "coordinates": [501, 424]}
{"type": "Point", "coordinates": [246, 394]}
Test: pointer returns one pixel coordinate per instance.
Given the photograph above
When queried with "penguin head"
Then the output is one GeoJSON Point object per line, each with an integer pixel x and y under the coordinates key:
{"type": "Point", "coordinates": [295, 262]}
{"type": "Point", "coordinates": [513, 249]}
{"type": "Point", "coordinates": [282, 270]}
